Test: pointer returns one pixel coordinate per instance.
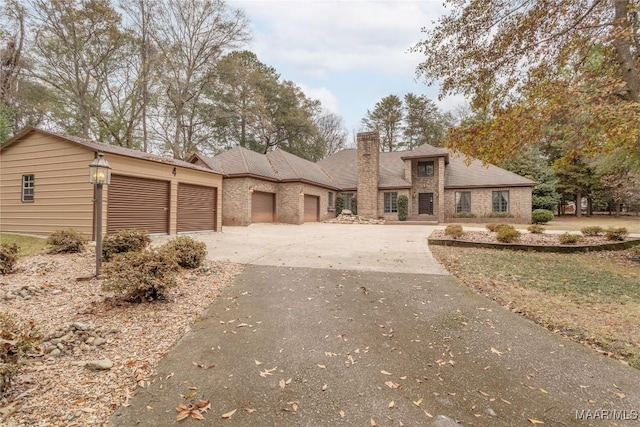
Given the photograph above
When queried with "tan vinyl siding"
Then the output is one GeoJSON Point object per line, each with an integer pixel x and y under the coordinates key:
{"type": "Point", "coordinates": [63, 197]}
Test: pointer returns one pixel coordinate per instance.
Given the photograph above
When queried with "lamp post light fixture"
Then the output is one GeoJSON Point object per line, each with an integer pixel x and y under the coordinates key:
{"type": "Point", "coordinates": [99, 175]}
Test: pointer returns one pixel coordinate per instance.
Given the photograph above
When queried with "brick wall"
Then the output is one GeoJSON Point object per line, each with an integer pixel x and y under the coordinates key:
{"type": "Point", "coordinates": [427, 184]}
{"type": "Point", "coordinates": [381, 213]}
{"type": "Point", "coordinates": [236, 198]}
{"type": "Point", "coordinates": [482, 205]}
{"type": "Point", "coordinates": [368, 160]}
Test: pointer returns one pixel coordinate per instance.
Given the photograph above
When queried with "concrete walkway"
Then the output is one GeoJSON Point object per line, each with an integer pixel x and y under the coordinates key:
{"type": "Point", "coordinates": [287, 346]}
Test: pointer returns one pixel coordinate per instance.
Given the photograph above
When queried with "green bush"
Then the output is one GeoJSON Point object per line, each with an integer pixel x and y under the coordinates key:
{"type": "Point", "coordinates": [66, 241]}
{"type": "Point", "coordinates": [142, 275]}
{"type": "Point", "coordinates": [496, 227]}
{"type": "Point", "coordinates": [541, 216]}
{"type": "Point", "coordinates": [508, 235]}
{"type": "Point", "coordinates": [500, 215]}
{"type": "Point", "coordinates": [454, 230]}
{"type": "Point", "coordinates": [464, 215]}
{"type": "Point", "coordinates": [569, 239]}
{"type": "Point", "coordinates": [124, 241]}
{"type": "Point", "coordinates": [188, 252]}
{"type": "Point", "coordinates": [592, 231]}
{"type": "Point", "coordinates": [8, 257]}
{"type": "Point", "coordinates": [535, 229]}
{"type": "Point", "coordinates": [16, 339]}
{"type": "Point", "coordinates": [339, 203]}
{"type": "Point", "coordinates": [354, 205]}
{"type": "Point", "coordinates": [619, 233]}
{"type": "Point", "coordinates": [403, 207]}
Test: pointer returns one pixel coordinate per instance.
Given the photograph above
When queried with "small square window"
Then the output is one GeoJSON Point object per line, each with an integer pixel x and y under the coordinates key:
{"type": "Point", "coordinates": [425, 168]}
{"type": "Point", "coordinates": [27, 188]}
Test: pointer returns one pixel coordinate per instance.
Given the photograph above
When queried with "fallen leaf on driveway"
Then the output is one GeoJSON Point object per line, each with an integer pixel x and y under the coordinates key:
{"type": "Point", "coordinates": [282, 384]}
{"type": "Point", "coordinates": [341, 414]}
{"type": "Point", "coordinates": [392, 404]}
{"type": "Point", "coordinates": [383, 372]}
{"type": "Point", "coordinates": [324, 387]}
{"type": "Point", "coordinates": [249, 410]}
{"type": "Point", "coordinates": [258, 362]}
{"type": "Point", "coordinates": [229, 414]}
{"type": "Point", "coordinates": [373, 423]}
{"type": "Point", "coordinates": [200, 365]}
{"type": "Point", "coordinates": [266, 372]}
{"type": "Point", "coordinates": [418, 402]}
{"type": "Point", "coordinates": [322, 366]}
{"type": "Point", "coordinates": [391, 384]}
{"type": "Point", "coordinates": [493, 350]}
{"type": "Point", "coordinates": [532, 421]}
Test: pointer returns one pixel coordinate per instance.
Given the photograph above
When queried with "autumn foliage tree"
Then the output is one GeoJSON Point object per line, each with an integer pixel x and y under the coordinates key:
{"type": "Point", "coordinates": [526, 65]}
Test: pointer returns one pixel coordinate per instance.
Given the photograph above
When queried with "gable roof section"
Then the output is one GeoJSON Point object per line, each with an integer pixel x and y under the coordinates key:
{"type": "Point", "coordinates": [240, 161]}
{"type": "Point", "coordinates": [458, 174]}
{"type": "Point", "coordinates": [425, 151]}
{"type": "Point", "coordinates": [342, 167]}
{"type": "Point", "coordinates": [105, 148]}
{"type": "Point", "coordinates": [290, 167]}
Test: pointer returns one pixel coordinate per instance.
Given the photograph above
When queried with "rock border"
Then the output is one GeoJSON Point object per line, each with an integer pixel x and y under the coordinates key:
{"type": "Point", "coordinates": [613, 246]}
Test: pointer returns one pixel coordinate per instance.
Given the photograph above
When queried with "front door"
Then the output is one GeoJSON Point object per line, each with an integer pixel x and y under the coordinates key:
{"type": "Point", "coordinates": [425, 203]}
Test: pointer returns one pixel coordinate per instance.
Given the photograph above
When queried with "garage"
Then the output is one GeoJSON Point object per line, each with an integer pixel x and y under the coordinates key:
{"type": "Point", "coordinates": [137, 203]}
{"type": "Point", "coordinates": [311, 208]}
{"type": "Point", "coordinates": [263, 207]}
{"type": "Point", "coordinates": [196, 208]}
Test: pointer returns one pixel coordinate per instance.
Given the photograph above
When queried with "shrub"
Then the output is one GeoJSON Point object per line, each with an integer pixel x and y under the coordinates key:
{"type": "Point", "coordinates": [464, 215]}
{"type": "Point", "coordinates": [592, 231]}
{"type": "Point", "coordinates": [454, 230]}
{"type": "Point", "coordinates": [8, 257]}
{"type": "Point", "coordinates": [188, 252]}
{"type": "Point", "coordinates": [17, 340]}
{"type": "Point", "coordinates": [496, 227]}
{"type": "Point", "coordinates": [142, 275]}
{"type": "Point", "coordinates": [339, 203]}
{"type": "Point", "coordinates": [535, 229]}
{"type": "Point", "coordinates": [508, 235]}
{"type": "Point", "coordinates": [66, 241]}
{"type": "Point", "coordinates": [403, 207]}
{"type": "Point", "coordinates": [569, 239]}
{"type": "Point", "coordinates": [124, 241]}
{"type": "Point", "coordinates": [354, 205]}
{"type": "Point", "coordinates": [500, 215]}
{"type": "Point", "coordinates": [619, 233]}
{"type": "Point", "coordinates": [541, 216]}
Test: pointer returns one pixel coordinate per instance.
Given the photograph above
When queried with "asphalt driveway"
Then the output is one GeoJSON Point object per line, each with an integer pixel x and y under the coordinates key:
{"type": "Point", "coordinates": [362, 344]}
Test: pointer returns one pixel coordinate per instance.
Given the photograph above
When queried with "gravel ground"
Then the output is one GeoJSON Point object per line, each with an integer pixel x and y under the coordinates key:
{"type": "Point", "coordinates": [80, 324]}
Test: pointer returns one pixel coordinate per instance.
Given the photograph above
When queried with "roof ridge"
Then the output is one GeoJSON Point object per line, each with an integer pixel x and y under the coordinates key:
{"type": "Point", "coordinates": [295, 171]}
{"type": "Point", "coordinates": [244, 160]}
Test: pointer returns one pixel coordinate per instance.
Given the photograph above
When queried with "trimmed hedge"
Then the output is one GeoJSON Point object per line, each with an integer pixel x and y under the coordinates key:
{"type": "Point", "coordinates": [541, 216]}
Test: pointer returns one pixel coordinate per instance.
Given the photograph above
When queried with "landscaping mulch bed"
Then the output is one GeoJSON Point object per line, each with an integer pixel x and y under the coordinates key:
{"type": "Point", "coordinates": [54, 386]}
{"type": "Point", "coordinates": [525, 238]}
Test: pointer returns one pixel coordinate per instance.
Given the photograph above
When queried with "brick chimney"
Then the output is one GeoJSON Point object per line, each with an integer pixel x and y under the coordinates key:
{"type": "Point", "coordinates": [368, 155]}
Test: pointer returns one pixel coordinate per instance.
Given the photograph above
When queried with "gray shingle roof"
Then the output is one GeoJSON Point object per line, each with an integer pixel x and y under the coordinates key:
{"type": "Point", "coordinates": [459, 174]}
{"type": "Point", "coordinates": [289, 167]}
{"type": "Point", "coordinates": [240, 161]}
{"type": "Point", "coordinates": [113, 149]}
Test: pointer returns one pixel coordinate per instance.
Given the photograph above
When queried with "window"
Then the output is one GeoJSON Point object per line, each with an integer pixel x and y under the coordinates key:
{"type": "Point", "coordinates": [348, 199]}
{"type": "Point", "coordinates": [463, 201]}
{"type": "Point", "coordinates": [330, 201]}
{"type": "Point", "coordinates": [391, 202]}
{"type": "Point", "coordinates": [425, 168]}
{"type": "Point", "coordinates": [27, 188]}
{"type": "Point", "coordinates": [500, 201]}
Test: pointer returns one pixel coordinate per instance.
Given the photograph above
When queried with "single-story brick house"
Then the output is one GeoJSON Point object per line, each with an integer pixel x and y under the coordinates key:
{"type": "Point", "coordinates": [44, 186]}
{"type": "Point", "coordinates": [273, 187]}
{"type": "Point", "coordinates": [440, 186]}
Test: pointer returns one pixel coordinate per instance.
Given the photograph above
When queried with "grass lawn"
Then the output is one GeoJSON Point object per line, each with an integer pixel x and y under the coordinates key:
{"type": "Point", "coordinates": [29, 245]}
{"type": "Point", "coordinates": [592, 298]}
{"type": "Point", "coordinates": [569, 222]}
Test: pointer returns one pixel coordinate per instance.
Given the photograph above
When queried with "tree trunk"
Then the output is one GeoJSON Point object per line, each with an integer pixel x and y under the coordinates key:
{"type": "Point", "coordinates": [578, 203]}
{"type": "Point", "coordinates": [622, 43]}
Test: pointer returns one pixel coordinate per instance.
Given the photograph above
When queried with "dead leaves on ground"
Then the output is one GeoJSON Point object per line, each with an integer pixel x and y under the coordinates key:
{"type": "Point", "coordinates": [194, 410]}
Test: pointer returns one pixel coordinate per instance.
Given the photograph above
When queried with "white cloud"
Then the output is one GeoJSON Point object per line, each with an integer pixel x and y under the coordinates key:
{"type": "Point", "coordinates": [325, 96]}
{"type": "Point", "coordinates": [318, 37]}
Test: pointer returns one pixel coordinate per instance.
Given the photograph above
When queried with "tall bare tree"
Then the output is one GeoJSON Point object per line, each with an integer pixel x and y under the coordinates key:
{"type": "Point", "coordinates": [191, 35]}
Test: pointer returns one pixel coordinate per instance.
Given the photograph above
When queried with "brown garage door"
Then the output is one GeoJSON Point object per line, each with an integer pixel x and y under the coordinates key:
{"type": "Point", "coordinates": [262, 207]}
{"type": "Point", "coordinates": [311, 208]}
{"type": "Point", "coordinates": [196, 208]}
{"type": "Point", "coordinates": [138, 203]}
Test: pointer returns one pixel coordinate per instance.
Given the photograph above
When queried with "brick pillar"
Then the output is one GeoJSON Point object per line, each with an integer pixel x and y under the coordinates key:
{"type": "Point", "coordinates": [368, 155]}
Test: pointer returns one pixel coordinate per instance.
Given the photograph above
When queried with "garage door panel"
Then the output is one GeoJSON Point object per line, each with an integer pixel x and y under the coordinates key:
{"type": "Point", "coordinates": [140, 203]}
{"type": "Point", "coordinates": [196, 208]}
{"type": "Point", "coordinates": [262, 207]}
{"type": "Point", "coordinates": [311, 208]}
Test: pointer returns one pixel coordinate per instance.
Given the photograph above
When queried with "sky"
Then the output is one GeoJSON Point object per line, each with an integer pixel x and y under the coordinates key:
{"type": "Point", "coordinates": [349, 54]}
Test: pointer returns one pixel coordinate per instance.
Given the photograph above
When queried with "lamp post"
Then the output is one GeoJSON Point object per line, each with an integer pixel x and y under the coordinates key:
{"type": "Point", "coordinates": [99, 175]}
